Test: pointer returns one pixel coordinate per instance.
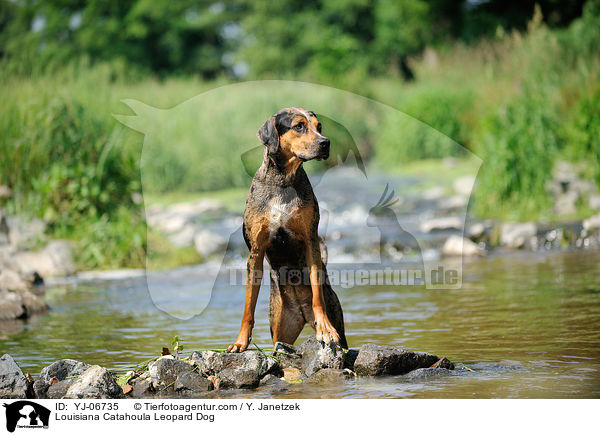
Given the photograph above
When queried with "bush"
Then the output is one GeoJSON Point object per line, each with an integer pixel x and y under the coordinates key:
{"type": "Point", "coordinates": [518, 148]}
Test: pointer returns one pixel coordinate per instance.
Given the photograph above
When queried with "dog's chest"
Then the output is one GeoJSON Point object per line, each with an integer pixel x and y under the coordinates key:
{"type": "Point", "coordinates": [281, 214]}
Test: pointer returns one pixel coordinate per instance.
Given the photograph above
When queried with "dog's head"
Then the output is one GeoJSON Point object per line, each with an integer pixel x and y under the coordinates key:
{"type": "Point", "coordinates": [294, 133]}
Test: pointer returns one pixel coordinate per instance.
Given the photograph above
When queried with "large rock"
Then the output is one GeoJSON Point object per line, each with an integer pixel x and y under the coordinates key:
{"type": "Point", "coordinates": [19, 305]}
{"type": "Point", "coordinates": [193, 382]}
{"type": "Point", "coordinates": [61, 370]}
{"type": "Point", "coordinates": [330, 376]}
{"type": "Point", "coordinates": [464, 185]}
{"type": "Point", "coordinates": [95, 383]}
{"type": "Point", "coordinates": [517, 235]}
{"type": "Point", "coordinates": [24, 234]}
{"type": "Point", "coordinates": [56, 259]}
{"type": "Point", "coordinates": [13, 383]}
{"type": "Point", "coordinates": [11, 280]}
{"type": "Point", "coordinates": [58, 390]}
{"type": "Point", "coordinates": [592, 223]}
{"type": "Point", "coordinates": [317, 355]}
{"type": "Point", "coordinates": [287, 355]}
{"type": "Point", "coordinates": [378, 360]}
{"type": "Point", "coordinates": [425, 374]}
{"type": "Point", "coordinates": [460, 246]}
{"type": "Point", "coordinates": [441, 224]}
{"type": "Point", "coordinates": [236, 370]}
{"type": "Point", "coordinates": [164, 371]}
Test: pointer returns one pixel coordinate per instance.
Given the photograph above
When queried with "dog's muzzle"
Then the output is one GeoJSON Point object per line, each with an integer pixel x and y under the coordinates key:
{"type": "Point", "coordinates": [323, 149]}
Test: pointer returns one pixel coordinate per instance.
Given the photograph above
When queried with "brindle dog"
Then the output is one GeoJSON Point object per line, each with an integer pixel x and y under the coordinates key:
{"type": "Point", "coordinates": [281, 221]}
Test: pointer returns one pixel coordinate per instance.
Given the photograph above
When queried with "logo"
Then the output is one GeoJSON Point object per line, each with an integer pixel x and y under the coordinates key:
{"type": "Point", "coordinates": [26, 414]}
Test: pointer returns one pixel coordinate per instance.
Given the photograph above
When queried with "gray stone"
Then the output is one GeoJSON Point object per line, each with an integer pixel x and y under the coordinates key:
{"type": "Point", "coordinates": [274, 383]}
{"type": "Point", "coordinates": [317, 355]}
{"type": "Point", "coordinates": [5, 192]}
{"type": "Point", "coordinates": [24, 234]}
{"type": "Point", "coordinates": [453, 202]}
{"type": "Point", "coordinates": [594, 201]}
{"type": "Point", "coordinates": [476, 230]}
{"type": "Point", "coordinates": [236, 370]}
{"type": "Point", "coordinates": [208, 243]}
{"type": "Point", "coordinates": [464, 185]}
{"type": "Point", "coordinates": [58, 390]}
{"type": "Point", "coordinates": [192, 381]}
{"type": "Point", "coordinates": [441, 224]}
{"type": "Point", "coordinates": [11, 306]}
{"type": "Point", "coordinates": [142, 386]}
{"type": "Point", "coordinates": [56, 259]}
{"type": "Point", "coordinates": [63, 369]}
{"type": "Point", "coordinates": [13, 383]}
{"type": "Point", "coordinates": [330, 376]}
{"type": "Point", "coordinates": [11, 280]}
{"type": "Point", "coordinates": [378, 360]}
{"type": "Point", "coordinates": [427, 373]}
{"type": "Point", "coordinates": [164, 371]}
{"type": "Point", "coordinates": [460, 246]}
{"type": "Point", "coordinates": [517, 235]}
{"type": "Point", "coordinates": [592, 223]}
{"type": "Point", "coordinates": [287, 355]}
{"type": "Point", "coordinates": [95, 383]}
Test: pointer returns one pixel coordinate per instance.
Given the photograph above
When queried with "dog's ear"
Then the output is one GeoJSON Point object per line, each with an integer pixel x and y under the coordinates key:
{"type": "Point", "coordinates": [268, 135]}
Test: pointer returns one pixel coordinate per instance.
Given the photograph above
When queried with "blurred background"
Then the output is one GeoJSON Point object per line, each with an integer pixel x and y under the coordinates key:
{"type": "Point", "coordinates": [515, 82]}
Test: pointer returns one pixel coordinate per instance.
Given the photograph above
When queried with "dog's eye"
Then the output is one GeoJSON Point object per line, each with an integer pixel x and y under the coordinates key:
{"type": "Point", "coordinates": [299, 127]}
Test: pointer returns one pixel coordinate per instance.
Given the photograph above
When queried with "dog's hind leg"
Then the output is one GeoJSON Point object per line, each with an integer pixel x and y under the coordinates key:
{"type": "Point", "coordinates": [286, 319]}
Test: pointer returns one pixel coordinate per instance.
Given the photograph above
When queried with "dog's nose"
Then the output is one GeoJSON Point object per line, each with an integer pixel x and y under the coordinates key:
{"type": "Point", "coordinates": [324, 142]}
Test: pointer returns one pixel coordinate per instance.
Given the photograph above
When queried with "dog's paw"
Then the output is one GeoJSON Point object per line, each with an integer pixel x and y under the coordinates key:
{"type": "Point", "coordinates": [238, 346]}
{"type": "Point", "coordinates": [325, 332]}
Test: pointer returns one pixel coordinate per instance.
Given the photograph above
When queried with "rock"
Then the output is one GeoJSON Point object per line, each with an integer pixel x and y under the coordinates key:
{"type": "Point", "coordinates": [476, 230]}
{"type": "Point", "coordinates": [453, 202]}
{"type": "Point", "coordinates": [274, 383]}
{"type": "Point", "coordinates": [516, 235]}
{"type": "Point", "coordinates": [11, 280]}
{"type": "Point", "coordinates": [460, 246]}
{"type": "Point", "coordinates": [330, 376]}
{"type": "Point", "coordinates": [427, 373]}
{"type": "Point", "coordinates": [594, 201]}
{"type": "Point", "coordinates": [592, 223]}
{"type": "Point", "coordinates": [441, 224]}
{"type": "Point", "coordinates": [13, 383]}
{"type": "Point", "coordinates": [5, 192]}
{"type": "Point", "coordinates": [164, 371]}
{"type": "Point", "coordinates": [24, 234]}
{"type": "Point", "coordinates": [142, 386]}
{"type": "Point", "coordinates": [192, 381]}
{"type": "Point", "coordinates": [236, 370]}
{"type": "Point", "coordinates": [434, 193]}
{"type": "Point", "coordinates": [184, 237]}
{"type": "Point", "coordinates": [464, 185]}
{"type": "Point", "coordinates": [317, 355]}
{"type": "Point", "coordinates": [208, 243]}
{"type": "Point", "coordinates": [377, 360]}
{"type": "Point", "coordinates": [58, 390]}
{"type": "Point", "coordinates": [11, 306]}
{"type": "Point", "coordinates": [292, 374]}
{"type": "Point", "coordinates": [63, 369]}
{"type": "Point", "coordinates": [95, 383]}
{"type": "Point", "coordinates": [56, 259]}
{"type": "Point", "coordinates": [443, 363]}
{"type": "Point", "coordinates": [287, 355]}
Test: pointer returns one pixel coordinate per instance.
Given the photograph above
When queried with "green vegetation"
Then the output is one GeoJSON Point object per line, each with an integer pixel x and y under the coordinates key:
{"type": "Point", "coordinates": [518, 92]}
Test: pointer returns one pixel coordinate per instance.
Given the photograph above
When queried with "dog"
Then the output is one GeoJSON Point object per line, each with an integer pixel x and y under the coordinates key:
{"type": "Point", "coordinates": [281, 220]}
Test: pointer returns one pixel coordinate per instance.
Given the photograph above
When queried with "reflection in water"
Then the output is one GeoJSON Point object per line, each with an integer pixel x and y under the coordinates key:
{"type": "Point", "coordinates": [526, 324]}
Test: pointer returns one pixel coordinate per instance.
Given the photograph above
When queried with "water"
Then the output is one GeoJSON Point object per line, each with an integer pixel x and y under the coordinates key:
{"type": "Point", "coordinates": [526, 324]}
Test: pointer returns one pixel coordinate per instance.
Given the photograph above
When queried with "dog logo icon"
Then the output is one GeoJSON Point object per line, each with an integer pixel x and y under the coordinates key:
{"type": "Point", "coordinates": [26, 414]}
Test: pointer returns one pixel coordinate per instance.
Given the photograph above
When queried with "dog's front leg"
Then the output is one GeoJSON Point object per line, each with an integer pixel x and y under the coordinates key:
{"type": "Point", "coordinates": [324, 329]}
{"type": "Point", "coordinates": [254, 271]}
